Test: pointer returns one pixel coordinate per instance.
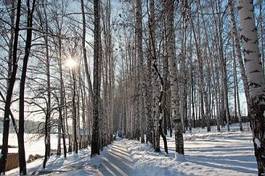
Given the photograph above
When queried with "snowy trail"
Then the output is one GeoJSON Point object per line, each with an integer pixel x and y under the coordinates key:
{"type": "Point", "coordinates": [212, 154]}
{"type": "Point", "coordinates": [117, 161]}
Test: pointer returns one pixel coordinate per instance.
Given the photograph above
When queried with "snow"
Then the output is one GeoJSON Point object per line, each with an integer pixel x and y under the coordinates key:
{"type": "Point", "coordinates": [257, 142]}
{"type": "Point", "coordinates": [216, 153]}
{"type": "Point", "coordinates": [213, 154]}
{"type": "Point", "coordinates": [227, 154]}
{"type": "Point", "coordinates": [34, 144]}
{"type": "Point", "coordinates": [74, 164]}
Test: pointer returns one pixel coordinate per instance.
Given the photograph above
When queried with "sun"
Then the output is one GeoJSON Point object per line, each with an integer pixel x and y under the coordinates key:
{"type": "Point", "coordinates": [71, 63]}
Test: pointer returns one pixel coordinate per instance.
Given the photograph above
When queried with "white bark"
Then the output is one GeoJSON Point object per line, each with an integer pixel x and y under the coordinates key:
{"type": "Point", "coordinates": [255, 78]}
{"type": "Point", "coordinates": [170, 34]}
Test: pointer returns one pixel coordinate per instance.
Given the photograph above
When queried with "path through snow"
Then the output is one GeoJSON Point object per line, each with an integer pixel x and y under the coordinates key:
{"type": "Point", "coordinates": [206, 154]}
{"type": "Point", "coordinates": [117, 161]}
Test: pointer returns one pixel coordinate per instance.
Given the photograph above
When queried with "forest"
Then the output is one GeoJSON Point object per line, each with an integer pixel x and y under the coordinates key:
{"type": "Point", "coordinates": [132, 87]}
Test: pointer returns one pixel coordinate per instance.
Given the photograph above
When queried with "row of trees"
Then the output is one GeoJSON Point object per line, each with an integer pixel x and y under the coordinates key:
{"type": "Point", "coordinates": [179, 65]}
{"type": "Point", "coordinates": [182, 65]}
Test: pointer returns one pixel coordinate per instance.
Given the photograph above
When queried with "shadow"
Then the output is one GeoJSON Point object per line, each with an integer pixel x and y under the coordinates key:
{"type": "Point", "coordinates": [223, 164]}
{"type": "Point", "coordinates": [233, 152]}
{"type": "Point", "coordinates": [220, 149]}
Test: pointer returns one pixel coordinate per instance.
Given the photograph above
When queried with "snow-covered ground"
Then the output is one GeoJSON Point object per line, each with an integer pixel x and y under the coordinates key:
{"type": "Point", "coordinates": [227, 153]}
{"type": "Point", "coordinates": [212, 154]}
{"type": "Point", "coordinates": [75, 164]}
{"type": "Point", "coordinates": [34, 144]}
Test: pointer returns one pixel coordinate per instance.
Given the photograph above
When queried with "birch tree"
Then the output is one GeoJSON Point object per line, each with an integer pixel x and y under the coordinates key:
{"type": "Point", "coordinates": [255, 79]}
{"type": "Point", "coordinates": [175, 109]}
{"type": "Point", "coordinates": [239, 57]}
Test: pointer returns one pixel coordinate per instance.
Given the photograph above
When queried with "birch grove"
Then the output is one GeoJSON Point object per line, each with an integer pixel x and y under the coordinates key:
{"type": "Point", "coordinates": [91, 72]}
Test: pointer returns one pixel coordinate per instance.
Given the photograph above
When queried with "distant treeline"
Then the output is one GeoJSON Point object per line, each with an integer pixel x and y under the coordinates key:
{"type": "Point", "coordinates": [30, 126]}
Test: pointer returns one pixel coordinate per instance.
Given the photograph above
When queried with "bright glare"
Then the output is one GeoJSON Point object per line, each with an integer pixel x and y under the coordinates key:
{"type": "Point", "coordinates": [71, 63]}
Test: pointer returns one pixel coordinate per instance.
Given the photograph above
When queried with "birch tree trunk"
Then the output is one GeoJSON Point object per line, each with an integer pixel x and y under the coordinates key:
{"type": "Point", "coordinates": [74, 113]}
{"type": "Point", "coordinates": [84, 48]}
{"type": "Point", "coordinates": [170, 38]}
{"type": "Point", "coordinates": [149, 88]}
{"type": "Point", "coordinates": [236, 98]}
{"type": "Point", "coordinates": [223, 65]}
{"type": "Point", "coordinates": [95, 144]}
{"type": "Point", "coordinates": [255, 78]}
{"type": "Point", "coordinates": [62, 93]}
{"type": "Point", "coordinates": [47, 137]}
{"type": "Point", "coordinates": [139, 51]}
{"type": "Point", "coordinates": [238, 49]}
{"type": "Point", "coordinates": [84, 121]}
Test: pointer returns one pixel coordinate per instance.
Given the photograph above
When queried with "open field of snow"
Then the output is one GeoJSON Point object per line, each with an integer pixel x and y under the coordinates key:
{"type": "Point", "coordinates": [34, 144]}
{"type": "Point", "coordinates": [212, 154]}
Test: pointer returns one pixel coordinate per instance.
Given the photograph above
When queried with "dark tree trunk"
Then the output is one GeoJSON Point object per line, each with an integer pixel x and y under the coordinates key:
{"type": "Point", "coordinates": [9, 94]}
{"type": "Point", "coordinates": [47, 127]}
{"type": "Point", "coordinates": [62, 105]}
{"type": "Point", "coordinates": [95, 144]}
{"type": "Point", "coordinates": [74, 115]}
{"type": "Point", "coordinates": [21, 146]}
{"type": "Point", "coordinates": [84, 47]}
